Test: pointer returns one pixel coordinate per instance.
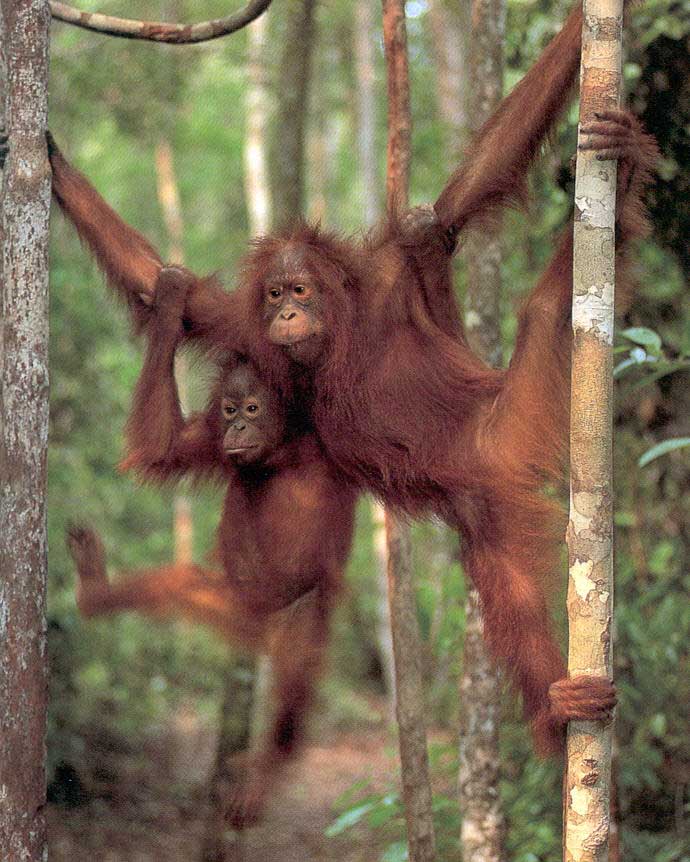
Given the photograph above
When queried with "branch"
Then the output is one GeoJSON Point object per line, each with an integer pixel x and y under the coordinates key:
{"type": "Point", "coordinates": [158, 31]}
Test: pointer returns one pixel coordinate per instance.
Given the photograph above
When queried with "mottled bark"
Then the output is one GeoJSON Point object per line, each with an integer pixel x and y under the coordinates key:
{"type": "Point", "coordinates": [410, 708]}
{"type": "Point", "coordinates": [483, 821]}
{"type": "Point", "coordinates": [590, 530]}
{"type": "Point", "coordinates": [287, 147]}
{"type": "Point", "coordinates": [24, 393]}
{"type": "Point", "coordinates": [409, 703]}
{"type": "Point", "coordinates": [483, 253]}
{"type": "Point", "coordinates": [159, 31]}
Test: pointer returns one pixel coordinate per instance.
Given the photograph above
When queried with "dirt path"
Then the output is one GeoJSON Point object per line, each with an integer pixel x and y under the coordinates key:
{"type": "Point", "coordinates": [141, 826]}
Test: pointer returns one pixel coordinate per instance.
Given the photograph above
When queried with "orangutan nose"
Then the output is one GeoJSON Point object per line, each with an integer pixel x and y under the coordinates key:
{"type": "Point", "coordinates": [288, 314]}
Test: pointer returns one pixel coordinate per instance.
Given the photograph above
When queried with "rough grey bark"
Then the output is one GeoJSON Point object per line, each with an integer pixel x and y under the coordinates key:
{"type": "Point", "coordinates": [483, 827]}
{"type": "Point", "coordinates": [24, 29]}
{"type": "Point", "coordinates": [409, 703]}
{"type": "Point", "coordinates": [288, 139]}
{"type": "Point", "coordinates": [483, 254]}
{"type": "Point", "coordinates": [483, 821]}
{"type": "Point", "coordinates": [410, 707]}
{"type": "Point", "coordinates": [590, 530]}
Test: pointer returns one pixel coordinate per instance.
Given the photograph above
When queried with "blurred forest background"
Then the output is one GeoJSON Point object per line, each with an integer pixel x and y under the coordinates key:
{"type": "Point", "coordinates": [136, 705]}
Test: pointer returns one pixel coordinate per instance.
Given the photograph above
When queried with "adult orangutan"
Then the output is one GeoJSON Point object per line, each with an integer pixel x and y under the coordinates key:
{"type": "Point", "coordinates": [283, 537]}
{"type": "Point", "coordinates": [411, 414]}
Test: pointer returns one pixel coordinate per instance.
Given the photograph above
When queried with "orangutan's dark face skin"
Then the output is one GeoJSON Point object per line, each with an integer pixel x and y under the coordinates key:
{"type": "Point", "coordinates": [253, 423]}
{"type": "Point", "coordinates": [292, 306]}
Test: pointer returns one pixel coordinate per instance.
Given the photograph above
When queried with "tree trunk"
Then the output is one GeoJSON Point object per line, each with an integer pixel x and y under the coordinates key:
{"type": "Point", "coordinates": [410, 708]}
{"type": "Point", "coordinates": [287, 150]}
{"type": "Point", "coordinates": [365, 71]}
{"type": "Point", "coordinates": [364, 50]}
{"type": "Point", "coordinates": [256, 187]}
{"type": "Point", "coordinates": [221, 845]}
{"type": "Point", "coordinates": [24, 32]}
{"type": "Point", "coordinates": [450, 43]}
{"type": "Point", "coordinates": [247, 701]}
{"type": "Point", "coordinates": [483, 822]}
{"type": "Point", "coordinates": [590, 530]}
{"type": "Point", "coordinates": [169, 198]}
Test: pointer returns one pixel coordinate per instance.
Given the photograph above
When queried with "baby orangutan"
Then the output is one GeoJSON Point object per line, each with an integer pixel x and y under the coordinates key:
{"type": "Point", "coordinates": [283, 538]}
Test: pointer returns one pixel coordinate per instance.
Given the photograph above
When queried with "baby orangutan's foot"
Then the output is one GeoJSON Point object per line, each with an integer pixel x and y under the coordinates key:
{"type": "Point", "coordinates": [86, 548]}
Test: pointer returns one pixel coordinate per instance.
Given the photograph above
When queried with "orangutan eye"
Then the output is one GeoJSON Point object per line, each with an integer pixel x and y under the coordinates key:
{"type": "Point", "coordinates": [299, 289]}
{"type": "Point", "coordinates": [252, 408]}
{"type": "Point", "coordinates": [275, 293]}
{"type": "Point", "coordinates": [229, 410]}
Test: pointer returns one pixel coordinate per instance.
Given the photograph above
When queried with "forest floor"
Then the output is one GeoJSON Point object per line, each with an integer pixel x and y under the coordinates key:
{"type": "Point", "coordinates": [146, 821]}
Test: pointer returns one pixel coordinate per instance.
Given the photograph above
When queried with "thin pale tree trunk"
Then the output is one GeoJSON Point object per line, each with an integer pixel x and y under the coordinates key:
{"type": "Point", "coordinates": [449, 44]}
{"type": "Point", "coordinates": [247, 700]}
{"type": "Point", "coordinates": [590, 530]}
{"type": "Point", "coordinates": [410, 708]}
{"type": "Point", "coordinates": [257, 193]}
{"type": "Point", "coordinates": [24, 391]}
{"type": "Point", "coordinates": [365, 71]}
{"type": "Point", "coordinates": [384, 633]}
{"type": "Point", "coordinates": [256, 182]}
{"type": "Point", "coordinates": [169, 198]}
{"type": "Point", "coordinates": [483, 822]}
{"type": "Point", "coordinates": [287, 150]}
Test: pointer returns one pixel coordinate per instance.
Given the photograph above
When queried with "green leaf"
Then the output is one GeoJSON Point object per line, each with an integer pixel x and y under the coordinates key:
{"type": "Point", "coordinates": [644, 336]}
{"type": "Point", "coordinates": [658, 725]}
{"type": "Point", "coordinates": [625, 519]}
{"type": "Point", "coordinates": [396, 852]}
{"type": "Point", "coordinates": [348, 818]}
{"type": "Point", "coordinates": [662, 449]}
